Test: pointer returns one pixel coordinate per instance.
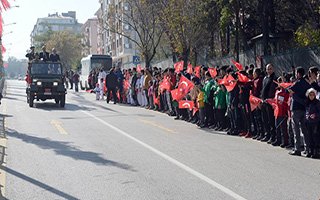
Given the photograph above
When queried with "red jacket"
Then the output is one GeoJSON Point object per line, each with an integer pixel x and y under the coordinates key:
{"type": "Point", "coordinates": [282, 98]}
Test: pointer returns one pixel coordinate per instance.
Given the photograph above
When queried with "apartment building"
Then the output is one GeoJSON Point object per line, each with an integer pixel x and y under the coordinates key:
{"type": "Point", "coordinates": [110, 16]}
{"type": "Point", "coordinates": [56, 22]}
{"type": "Point", "coordinates": [89, 30]}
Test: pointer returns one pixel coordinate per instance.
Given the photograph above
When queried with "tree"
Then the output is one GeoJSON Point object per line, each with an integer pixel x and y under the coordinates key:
{"type": "Point", "coordinates": [67, 44]}
{"type": "Point", "coordinates": [182, 21]}
{"type": "Point", "coordinates": [138, 22]}
{"type": "Point", "coordinates": [16, 67]}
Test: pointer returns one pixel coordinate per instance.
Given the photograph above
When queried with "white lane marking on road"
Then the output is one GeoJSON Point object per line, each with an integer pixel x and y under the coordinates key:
{"type": "Point", "coordinates": [172, 160]}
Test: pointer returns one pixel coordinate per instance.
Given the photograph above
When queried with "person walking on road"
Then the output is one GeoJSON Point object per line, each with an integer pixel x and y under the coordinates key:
{"type": "Point", "coordinates": [76, 78]}
{"type": "Point", "coordinates": [111, 84]}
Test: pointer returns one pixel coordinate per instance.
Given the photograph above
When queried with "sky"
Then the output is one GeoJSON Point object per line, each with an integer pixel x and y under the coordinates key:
{"type": "Point", "coordinates": [16, 37]}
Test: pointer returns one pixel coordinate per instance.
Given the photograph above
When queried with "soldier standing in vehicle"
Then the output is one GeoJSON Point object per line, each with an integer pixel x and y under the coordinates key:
{"type": "Point", "coordinates": [44, 55]}
{"type": "Point", "coordinates": [31, 55]}
{"type": "Point", "coordinates": [54, 57]}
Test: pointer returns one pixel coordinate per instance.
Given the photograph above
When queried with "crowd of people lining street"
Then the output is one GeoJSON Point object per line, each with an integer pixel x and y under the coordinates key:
{"type": "Point", "coordinates": [247, 101]}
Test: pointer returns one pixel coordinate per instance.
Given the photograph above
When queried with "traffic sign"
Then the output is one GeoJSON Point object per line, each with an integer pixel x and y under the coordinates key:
{"type": "Point", "coordinates": [136, 60]}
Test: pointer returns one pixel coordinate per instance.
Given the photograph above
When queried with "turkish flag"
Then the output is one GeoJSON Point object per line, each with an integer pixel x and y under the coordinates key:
{"type": "Point", "coordinates": [178, 66]}
{"type": "Point", "coordinates": [186, 104]}
{"type": "Point", "coordinates": [165, 85]}
{"type": "Point", "coordinates": [126, 84]}
{"type": "Point", "coordinates": [213, 72]}
{"type": "Point", "coordinates": [178, 94]}
{"type": "Point", "coordinates": [195, 110]}
{"type": "Point", "coordinates": [284, 85]}
{"type": "Point", "coordinates": [156, 100]}
{"type": "Point", "coordinates": [185, 84]}
{"type": "Point", "coordinates": [229, 83]}
{"type": "Point", "coordinates": [221, 81]}
{"type": "Point", "coordinates": [254, 102]}
{"type": "Point", "coordinates": [243, 78]}
{"type": "Point", "coordinates": [274, 105]}
{"type": "Point", "coordinates": [190, 69]}
{"type": "Point", "coordinates": [238, 65]}
{"type": "Point", "coordinates": [197, 71]}
{"type": "Point", "coordinates": [139, 68]}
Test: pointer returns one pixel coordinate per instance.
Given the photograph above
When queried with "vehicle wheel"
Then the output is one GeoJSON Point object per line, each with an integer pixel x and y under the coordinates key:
{"type": "Point", "coordinates": [31, 98]}
{"type": "Point", "coordinates": [62, 101]}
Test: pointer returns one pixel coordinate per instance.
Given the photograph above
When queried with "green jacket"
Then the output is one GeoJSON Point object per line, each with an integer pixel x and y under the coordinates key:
{"type": "Point", "coordinates": [220, 99]}
{"type": "Point", "coordinates": [208, 89]}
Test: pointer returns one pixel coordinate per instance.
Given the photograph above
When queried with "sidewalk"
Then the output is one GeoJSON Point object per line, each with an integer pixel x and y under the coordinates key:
{"type": "Point", "coordinates": [3, 146]}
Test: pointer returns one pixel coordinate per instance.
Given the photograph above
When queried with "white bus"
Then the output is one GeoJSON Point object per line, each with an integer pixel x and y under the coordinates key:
{"type": "Point", "coordinates": [92, 62]}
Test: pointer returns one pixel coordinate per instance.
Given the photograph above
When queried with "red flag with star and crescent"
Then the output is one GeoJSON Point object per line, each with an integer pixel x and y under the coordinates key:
{"type": "Point", "coordinates": [242, 78]}
{"type": "Point", "coordinates": [126, 84]}
{"type": "Point", "coordinates": [183, 104]}
{"type": "Point", "coordinates": [284, 85]}
{"type": "Point", "coordinates": [190, 69]}
{"type": "Point", "coordinates": [197, 71]}
{"type": "Point", "coordinates": [165, 85]}
{"type": "Point", "coordinates": [274, 105]}
{"type": "Point", "coordinates": [238, 65]}
{"type": "Point", "coordinates": [195, 110]}
{"type": "Point", "coordinates": [254, 102]}
{"type": "Point", "coordinates": [229, 82]}
{"type": "Point", "coordinates": [185, 84]}
{"type": "Point", "coordinates": [178, 94]}
{"type": "Point", "coordinates": [156, 100]}
{"type": "Point", "coordinates": [213, 72]}
{"type": "Point", "coordinates": [178, 66]}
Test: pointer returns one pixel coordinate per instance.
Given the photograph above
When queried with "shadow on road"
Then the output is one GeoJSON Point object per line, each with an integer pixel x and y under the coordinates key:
{"type": "Point", "coordinates": [82, 101]}
{"type": "Point", "coordinates": [37, 183]}
{"type": "Point", "coordinates": [50, 106]}
{"type": "Point", "coordinates": [66, 149]}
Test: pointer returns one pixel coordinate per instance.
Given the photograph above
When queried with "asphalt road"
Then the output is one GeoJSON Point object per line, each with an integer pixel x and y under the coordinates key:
{"type": "Point", "coordinates": [94, 150]}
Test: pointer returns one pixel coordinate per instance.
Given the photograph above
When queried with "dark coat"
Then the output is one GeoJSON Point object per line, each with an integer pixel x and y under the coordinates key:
{"type": "Point", "coordinates": [269, 87]}
{"type": "Point", "coordinates": [44, 56]}
{"type": "Point", "coordinates": [54, 57]}
{"type": "Point", "coordinates": [299, 88]}
{"type": "Point", "coordinates": [313, 107]}
{"type": "Point", "coordinates": [111, 80]}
